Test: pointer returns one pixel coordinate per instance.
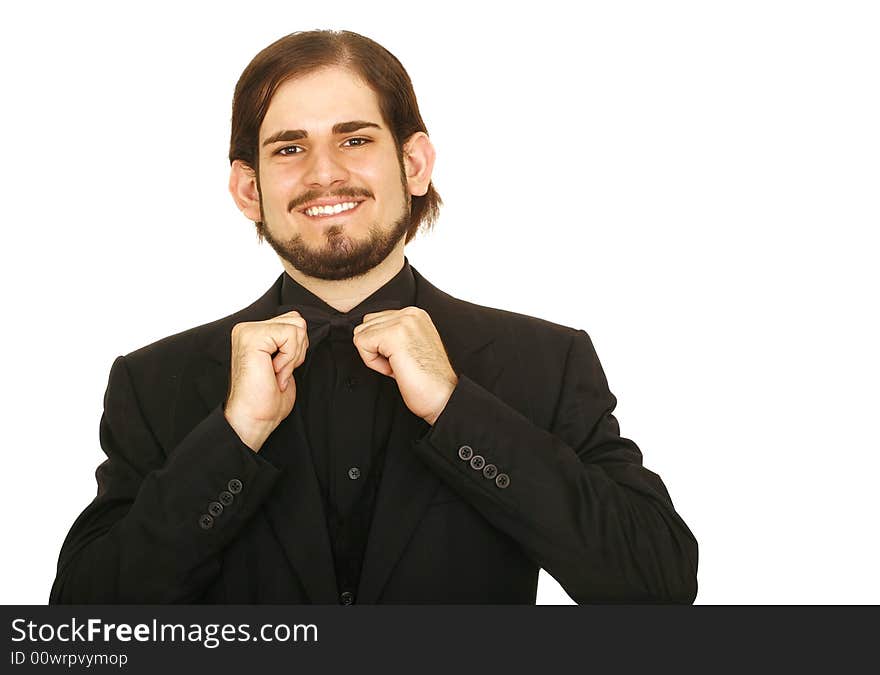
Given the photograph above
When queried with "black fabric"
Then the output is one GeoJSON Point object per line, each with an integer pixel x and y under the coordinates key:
{"type": "Point", "coordinates": [347, 410]}
{"type": "Point", "coordinates": [321, 321]}
{"type": "Point", "coordinates": [532, 401]}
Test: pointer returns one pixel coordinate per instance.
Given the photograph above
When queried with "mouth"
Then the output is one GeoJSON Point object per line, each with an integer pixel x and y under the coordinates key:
{"type": "Point", "coordinates": [319, 211]}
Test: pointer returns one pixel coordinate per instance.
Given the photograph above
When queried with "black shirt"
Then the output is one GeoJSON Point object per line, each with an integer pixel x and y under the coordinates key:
{"type": "Point", "coordinates": [347, 410]}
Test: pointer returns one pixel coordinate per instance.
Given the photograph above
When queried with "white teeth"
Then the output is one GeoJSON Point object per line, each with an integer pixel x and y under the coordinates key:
{"type": "Point", "coordinates": [330, 210]}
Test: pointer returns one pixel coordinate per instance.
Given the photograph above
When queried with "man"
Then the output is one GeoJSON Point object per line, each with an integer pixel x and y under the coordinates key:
{"type": "Point", "coordinates": [357, 435]}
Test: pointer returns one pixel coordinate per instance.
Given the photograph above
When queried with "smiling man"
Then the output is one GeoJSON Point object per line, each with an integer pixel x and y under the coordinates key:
{"type": "Point", "coordinates": [356, 434]}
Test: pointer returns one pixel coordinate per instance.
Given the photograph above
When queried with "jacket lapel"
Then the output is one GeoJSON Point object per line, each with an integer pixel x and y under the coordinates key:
{"type": "Point", "coordinates": [407, 485]}
{"type": "Point", "coordinates": [295, 509]}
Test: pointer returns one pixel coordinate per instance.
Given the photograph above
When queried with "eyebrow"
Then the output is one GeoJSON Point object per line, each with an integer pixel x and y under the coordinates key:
{"type": "Point", "coordinates": [298, 134]}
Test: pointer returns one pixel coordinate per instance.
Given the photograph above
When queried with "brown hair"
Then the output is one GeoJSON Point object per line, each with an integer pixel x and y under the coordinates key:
{"type": "Point", "coordinates": [303, 52]}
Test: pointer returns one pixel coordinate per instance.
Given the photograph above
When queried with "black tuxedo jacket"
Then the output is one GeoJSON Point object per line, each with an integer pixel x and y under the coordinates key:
{"type": "Point", "coordinates": [532, 401]}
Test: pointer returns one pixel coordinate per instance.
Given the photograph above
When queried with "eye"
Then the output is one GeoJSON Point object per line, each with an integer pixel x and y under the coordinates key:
{"type": "Point", "coordinates": [283, 151]}
{"type": "Point", "coordinates": [357, 142]}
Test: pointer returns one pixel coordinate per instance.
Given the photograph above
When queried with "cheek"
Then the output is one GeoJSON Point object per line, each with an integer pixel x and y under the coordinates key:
{"type": "Point", "coordinates": [385, 179]}
{"type": "Point", "coordinates": [278, 188]}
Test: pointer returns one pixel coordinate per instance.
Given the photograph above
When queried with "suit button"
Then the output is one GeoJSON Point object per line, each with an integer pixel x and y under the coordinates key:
{"type": "Point", "coordinates": [502, 480]}
{"type": "Point", "coordinates": [215, 508]}
{"type": "Point", "coordinates": [354, 473]}
{"type": "Point", "coordinates": [490, 471]}
{"type": "Point", "coordinates": [234, 486]}
{"type": "Point", "coordinates": [226, 498]}
{"type": "Point", "coordinates": [477, 462]}
{"type": "Point", "coordinates": [465, 452]}
{"type": "Point", "coordinates": [206, 522]}
{"type": "Point", "coordinates": [346, 598]}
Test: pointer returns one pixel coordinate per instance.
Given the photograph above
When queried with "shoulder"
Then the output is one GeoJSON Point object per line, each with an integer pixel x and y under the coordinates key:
{"type": "Point", "coordinates": [208, 340]}
{"type": "Point", "coordinates": [500, 324]}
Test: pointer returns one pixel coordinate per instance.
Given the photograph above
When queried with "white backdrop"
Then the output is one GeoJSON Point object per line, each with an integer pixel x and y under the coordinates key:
{"type": "Point", "coordinates": [695, 184]}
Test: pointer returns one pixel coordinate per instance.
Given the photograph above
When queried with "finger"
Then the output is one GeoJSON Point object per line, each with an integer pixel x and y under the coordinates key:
{"type": "Point", "coordinates": [372, 352]}
{"type": "Point", "coordinates": [379, 317]}
{"type": "Point", "coordinates": [281, 342]}
{"type": "Point", "coordinates": [285, 372]}
{"type": "Point", "coordinates": [377, 362]}
{"type": "Point", "coordinates": [377, 321]}
{"type": "Point", "coordinates": [384, 312]}
{"type": "Point", "coordinates": [288, 319]}
{"type": "Point", "coordinates": [291, 357]}
{"type": "Point", "coordinates": [291, 314]}
{"type": "Point", "coordinates": [289, 382]}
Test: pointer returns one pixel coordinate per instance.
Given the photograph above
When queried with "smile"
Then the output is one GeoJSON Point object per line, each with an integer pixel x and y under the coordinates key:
{"type": "Point", "coordinates": [330, 210]}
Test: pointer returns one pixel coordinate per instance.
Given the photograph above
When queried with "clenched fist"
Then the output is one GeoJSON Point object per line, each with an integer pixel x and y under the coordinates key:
{"type": "Point", "coordinates": [262, 390]}
{"type": "Point", "coordinates": [404, 344]}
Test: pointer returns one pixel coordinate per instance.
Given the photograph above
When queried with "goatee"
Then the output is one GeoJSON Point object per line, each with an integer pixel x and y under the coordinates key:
{"type": "Point", "coordinates": [341, 257]}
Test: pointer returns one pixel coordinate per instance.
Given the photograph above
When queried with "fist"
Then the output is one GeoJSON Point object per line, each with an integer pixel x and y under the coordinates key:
{"type": "Point", "coordinates": [262, 390]}
{"type": "Point", "coordinates": [404, 344]}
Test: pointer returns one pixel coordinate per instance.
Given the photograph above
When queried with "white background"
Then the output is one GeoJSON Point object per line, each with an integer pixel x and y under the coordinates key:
{"type": "Point", "coordinates": [693, 183]}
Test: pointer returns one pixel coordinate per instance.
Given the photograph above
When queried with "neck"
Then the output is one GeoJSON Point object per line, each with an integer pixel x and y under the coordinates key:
{"type": "Point", "coordinates": [346, 294]}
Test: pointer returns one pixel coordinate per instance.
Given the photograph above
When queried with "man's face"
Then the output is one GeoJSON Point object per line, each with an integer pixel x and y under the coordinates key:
{"type": "Point", "coordinates": [333, 196]}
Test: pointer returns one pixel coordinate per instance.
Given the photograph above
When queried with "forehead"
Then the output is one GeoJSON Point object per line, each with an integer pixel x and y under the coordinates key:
{"type": "Point", "coordinates": [318, 100]}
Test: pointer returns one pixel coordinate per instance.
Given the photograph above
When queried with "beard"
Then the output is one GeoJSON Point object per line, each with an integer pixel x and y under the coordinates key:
{"type": "Point", "coordinates": [341, 256]}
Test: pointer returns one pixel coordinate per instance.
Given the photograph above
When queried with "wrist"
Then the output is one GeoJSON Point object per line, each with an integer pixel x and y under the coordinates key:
{"type": "Point", "coordinates": [447, 394]}
{"type": "Point", "coordinates": [253, 433]}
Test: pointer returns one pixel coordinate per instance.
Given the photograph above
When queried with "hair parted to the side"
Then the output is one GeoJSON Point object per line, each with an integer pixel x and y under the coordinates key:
{"type": "Point", "coordinates": [304, 52]}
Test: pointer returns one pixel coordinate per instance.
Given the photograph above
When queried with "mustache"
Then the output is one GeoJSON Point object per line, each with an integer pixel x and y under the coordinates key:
{"type": "Point", "coordinates": [311, 195]}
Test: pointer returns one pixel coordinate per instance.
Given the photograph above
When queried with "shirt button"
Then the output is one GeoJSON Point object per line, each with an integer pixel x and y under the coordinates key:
{"type": "Point", "coordinates": [477, 462]}
{"type": "Point", "coordinates": [206, 522]}
{"type": "Point", "coordinates": [350, 383]}
{"type": "Point", "coordinates": [354, 473]}
{"type": "Point", "coordinates": [226, 498]}
{"type": "Point", "coordinates": [234, 486]}
{"type": "Point", "coordinates": [346, 598]}
{"type": "Point", "coordinates": [465, 452]}
{"type": "Point", "coordinates": [490, 471]}
{"type": "Point", "coordinates": [502, 480]}
{"type": "Point", "coordinates": [215, 508]}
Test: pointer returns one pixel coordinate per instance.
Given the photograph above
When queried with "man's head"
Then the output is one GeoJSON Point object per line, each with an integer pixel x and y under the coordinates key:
{"type": "Point", "coordinates": [330, 118]}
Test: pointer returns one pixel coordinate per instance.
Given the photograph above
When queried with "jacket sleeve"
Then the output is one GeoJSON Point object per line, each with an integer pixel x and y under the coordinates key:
{"type": "Point", "coordinates": [149, 535]}
{"type": "Point", "coordinates": [576, 497]}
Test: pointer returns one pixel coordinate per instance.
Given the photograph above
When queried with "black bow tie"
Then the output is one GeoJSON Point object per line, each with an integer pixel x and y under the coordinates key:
{"type": "Point", "coordinates": [319, 321]}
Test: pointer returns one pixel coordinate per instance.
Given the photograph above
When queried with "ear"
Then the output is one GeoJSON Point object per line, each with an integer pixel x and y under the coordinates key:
{"type": "Point", "coordinates": [243, 188]}
{"type": "Point", "coordinates": [418, 162]}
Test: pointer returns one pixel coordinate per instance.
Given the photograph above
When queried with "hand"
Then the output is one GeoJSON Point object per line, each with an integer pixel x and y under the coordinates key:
{"type": "Point", "coordinates": [405, 345]}
{"type": "Point", "coordinates": [262, 390]}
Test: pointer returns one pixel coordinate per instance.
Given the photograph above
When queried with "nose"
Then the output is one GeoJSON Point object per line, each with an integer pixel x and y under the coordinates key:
{"type": "Point", "coordinates": [324, 167]}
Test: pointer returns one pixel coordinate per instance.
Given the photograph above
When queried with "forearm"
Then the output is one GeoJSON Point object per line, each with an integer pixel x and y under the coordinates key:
{"type": "Point", "coordinates": [151, 538]}
{"type": "Point", "coordinates": [596, 520]}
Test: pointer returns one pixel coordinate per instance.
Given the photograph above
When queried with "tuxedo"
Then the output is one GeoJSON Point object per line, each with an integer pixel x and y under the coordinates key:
{"type": "Point", "coordinates": [524, 469]}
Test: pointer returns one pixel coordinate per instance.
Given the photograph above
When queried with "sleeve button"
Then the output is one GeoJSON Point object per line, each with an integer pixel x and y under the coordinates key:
{"type": "Point", "coordinates": [502, 480]}
{"type": "Point", "coordinates": [477, 462]}
{"type": "Point", "coordinates": [215, 508]}
{"type": "Point", "coordinates": [490, 471]}
{"type": "Point", "coordinates": [465, 452]}
{"type": "Point", "coordinates": [206, 522]}
{"type": "Point", "coordinates": [234, 486]}
{"type": "Point", "coordinates": [226, 498]}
